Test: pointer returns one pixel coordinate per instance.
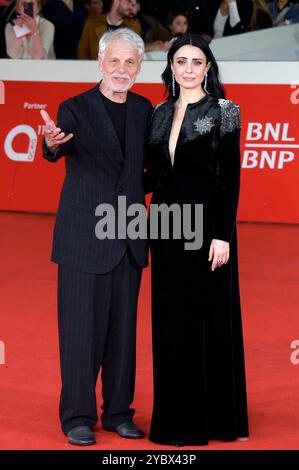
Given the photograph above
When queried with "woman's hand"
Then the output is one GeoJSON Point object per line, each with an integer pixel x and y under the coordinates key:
{"type": "Point", "coordinates": [223, 8]}
{"type": "Point", "coordinates": [30, 23]}
{"type": "Point", "coordinates": [53, 135]}
{"type": "Point", "coordinates": [219, 253]}
{"type": "Point", "coordinates": [19, 21]}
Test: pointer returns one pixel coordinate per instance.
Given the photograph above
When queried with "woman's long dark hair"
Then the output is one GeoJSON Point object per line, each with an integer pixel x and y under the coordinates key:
{"type": "Point", "coordinates": [214, 86]}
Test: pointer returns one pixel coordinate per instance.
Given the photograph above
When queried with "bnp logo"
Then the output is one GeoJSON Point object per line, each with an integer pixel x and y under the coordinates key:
{"type": "Point", "coordinates": [269, 145]}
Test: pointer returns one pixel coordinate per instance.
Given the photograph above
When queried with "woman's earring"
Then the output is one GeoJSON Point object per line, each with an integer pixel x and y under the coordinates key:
{"type": "Point", "coordinates": [206, 84]}
{"type": "Point", "coordinates": [173, 84]}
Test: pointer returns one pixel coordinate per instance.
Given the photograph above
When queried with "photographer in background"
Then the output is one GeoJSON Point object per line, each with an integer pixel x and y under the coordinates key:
{"type": "Point", "coordinates": [284, 12]}
{"type": "Point", "coordinates": [68, 17]}
{"type": "Point", "coordinates": [177, 23]}
{"type": "Point", "coordinates": [232, 17]}
{"type": "Point", "coordinates": [30, 36]}
{"type": "Point", "coordinates": [154, 34]}
{"type": "Point", "coordinates": [7, 11]}
{"type": "Point", "coordinates": [118, 16]}
{"type": "Point", "coordinates": [197, 11]}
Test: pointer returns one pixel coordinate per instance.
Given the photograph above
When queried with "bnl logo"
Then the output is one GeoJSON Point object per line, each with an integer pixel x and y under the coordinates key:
{"type": "Point", "coordinates": [2, 92]}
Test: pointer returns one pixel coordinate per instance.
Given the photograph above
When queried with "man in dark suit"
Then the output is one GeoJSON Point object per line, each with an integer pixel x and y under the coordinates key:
{"type": "Point", "coordinates": [102, 133]}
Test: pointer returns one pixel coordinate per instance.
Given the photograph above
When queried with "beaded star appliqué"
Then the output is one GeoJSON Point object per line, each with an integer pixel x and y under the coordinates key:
{"type": "Point", "coordinates": [204, 125]}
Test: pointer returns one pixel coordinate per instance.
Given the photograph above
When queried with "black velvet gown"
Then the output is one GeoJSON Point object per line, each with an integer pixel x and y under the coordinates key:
{"type": "Point", "coordinates": [198, 358]}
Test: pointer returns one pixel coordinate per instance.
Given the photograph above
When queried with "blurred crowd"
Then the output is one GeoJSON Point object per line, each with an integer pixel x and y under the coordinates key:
{"type": "Point", "coordinates": [71, 29]}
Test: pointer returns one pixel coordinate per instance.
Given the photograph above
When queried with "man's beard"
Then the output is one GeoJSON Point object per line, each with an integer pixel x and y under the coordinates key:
{"type": "Point", "coordinates": [118, 89]}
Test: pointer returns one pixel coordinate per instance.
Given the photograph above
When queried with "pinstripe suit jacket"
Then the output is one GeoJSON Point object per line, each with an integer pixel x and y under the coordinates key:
{"type": "Point", "coordinates": [97, 172]}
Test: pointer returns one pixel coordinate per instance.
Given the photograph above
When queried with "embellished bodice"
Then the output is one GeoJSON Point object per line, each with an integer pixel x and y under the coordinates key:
{"type": "Point", "coordinates": [199, 148]}
{"type": "Point", "coordinates": [210, 117]}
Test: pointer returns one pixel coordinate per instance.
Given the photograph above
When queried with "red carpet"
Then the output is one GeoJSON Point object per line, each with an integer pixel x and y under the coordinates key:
{"type": "Point", "coordinates": [30, 381]}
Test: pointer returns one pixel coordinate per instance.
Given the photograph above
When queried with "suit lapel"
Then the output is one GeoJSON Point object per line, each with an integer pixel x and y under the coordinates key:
{"type": "Point", "coordinates": [131, 127]}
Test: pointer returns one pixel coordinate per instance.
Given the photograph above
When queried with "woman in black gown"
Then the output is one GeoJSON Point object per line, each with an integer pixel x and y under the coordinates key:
{"type": "Point", "coordinates": [194, 158]}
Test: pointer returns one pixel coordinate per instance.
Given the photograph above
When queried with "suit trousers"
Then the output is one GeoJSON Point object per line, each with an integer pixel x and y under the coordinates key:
{"type": "Point", "coordinates": [97, 329]}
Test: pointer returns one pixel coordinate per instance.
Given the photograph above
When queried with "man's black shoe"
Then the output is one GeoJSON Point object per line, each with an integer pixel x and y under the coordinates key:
{"type": "Point", "coordinates": [128, 430]}
{"type": "Point", "coordinates": [81, 436]}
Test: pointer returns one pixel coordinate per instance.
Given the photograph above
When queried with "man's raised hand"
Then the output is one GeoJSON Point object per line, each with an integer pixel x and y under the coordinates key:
{"type": "Point", "coordinates": [53, 135]}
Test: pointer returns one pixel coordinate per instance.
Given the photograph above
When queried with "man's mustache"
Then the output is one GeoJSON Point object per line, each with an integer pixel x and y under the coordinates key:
{"type": "Point", "coordinates": [121, 76]}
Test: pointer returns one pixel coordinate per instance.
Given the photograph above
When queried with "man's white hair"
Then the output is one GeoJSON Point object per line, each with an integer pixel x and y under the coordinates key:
{"type": "Point", "coordinates": [126, 35]}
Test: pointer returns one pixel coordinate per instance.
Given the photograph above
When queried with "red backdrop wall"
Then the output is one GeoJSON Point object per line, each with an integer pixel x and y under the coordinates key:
{"type": "Point", "coordinates": [269, 144]}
